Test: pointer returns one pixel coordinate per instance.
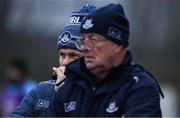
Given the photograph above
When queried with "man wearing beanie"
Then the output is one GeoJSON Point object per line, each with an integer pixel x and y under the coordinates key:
{"type": "Point", "coordinates": [37, 103]}
{"type": "Point", "coordinates": [105, 82]}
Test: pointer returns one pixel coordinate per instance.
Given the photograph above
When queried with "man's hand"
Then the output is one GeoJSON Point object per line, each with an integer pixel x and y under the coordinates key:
{"type": "Point", "coordinates": [60, 75]}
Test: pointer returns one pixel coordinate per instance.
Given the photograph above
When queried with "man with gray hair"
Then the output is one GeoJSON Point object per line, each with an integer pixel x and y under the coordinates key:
{"type": "Point", "coordinates": [105, 82]}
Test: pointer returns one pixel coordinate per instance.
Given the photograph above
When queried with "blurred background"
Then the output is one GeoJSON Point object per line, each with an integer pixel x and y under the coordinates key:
{"type": "Point", "coordinates": [29, 31]}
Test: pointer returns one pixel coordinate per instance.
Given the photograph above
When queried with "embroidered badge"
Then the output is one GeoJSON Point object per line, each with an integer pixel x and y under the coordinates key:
{"type": "Point", "coordinates": [43, 103]}
{"type": "Point", "coordinates": [112, 107]}
{"type": "Point", "coordinates": [136, 78]}
{"type": "Point", "coordinates": [113, 32]}
{"type": "Point", "coordinates": [88, 24]}
{"type": "Point", "coordinates": [70, 106]}
{"type": "Point", "coordinates": [65, 38]}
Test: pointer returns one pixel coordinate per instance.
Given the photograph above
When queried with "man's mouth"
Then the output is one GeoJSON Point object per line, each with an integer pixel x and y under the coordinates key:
{"type": "Point", "coordinates": [89, 58]}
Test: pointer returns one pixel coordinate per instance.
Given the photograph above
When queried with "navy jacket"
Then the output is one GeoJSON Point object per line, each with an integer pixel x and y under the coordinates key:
{"type": "Point", "coordinates": [128, 90]}
{"type": "Point", "coordinates": [37, 102]}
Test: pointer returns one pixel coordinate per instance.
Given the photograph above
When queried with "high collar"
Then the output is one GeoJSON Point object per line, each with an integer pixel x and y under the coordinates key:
{"type": "Point", "coordinates": [116, 77]}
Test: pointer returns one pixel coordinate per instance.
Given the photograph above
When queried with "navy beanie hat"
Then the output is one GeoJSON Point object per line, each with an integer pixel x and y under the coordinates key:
{"type": "Point", "coordinates": [109, 21]}
{"type": "Point", "coordinates": [71, 33]}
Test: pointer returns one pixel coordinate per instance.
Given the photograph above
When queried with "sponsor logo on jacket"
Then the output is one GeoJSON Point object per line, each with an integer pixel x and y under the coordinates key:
{"type": "Point", "coordinates": [70, 106]}
{"type": "Point", "coordinates": [43, 103]}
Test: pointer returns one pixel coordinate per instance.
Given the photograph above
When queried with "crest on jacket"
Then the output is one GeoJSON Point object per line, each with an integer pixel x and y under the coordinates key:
{"type": "Point", "coordinates": [112, 107]}
{"type": "Point", "coordinates": [70, 106]}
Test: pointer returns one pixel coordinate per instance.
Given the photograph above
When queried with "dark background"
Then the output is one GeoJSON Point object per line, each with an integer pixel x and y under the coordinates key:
{"type": "Point", "coordinates": [29, 28]}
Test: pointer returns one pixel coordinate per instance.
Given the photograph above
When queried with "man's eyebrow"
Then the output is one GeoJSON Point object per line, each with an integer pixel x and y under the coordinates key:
{"type": "Point", "coordinates": [61, 52]}
{"type": "Point", "coordinates": [90, 35]}
{"type": "Point", "coordinates": [75, 53]}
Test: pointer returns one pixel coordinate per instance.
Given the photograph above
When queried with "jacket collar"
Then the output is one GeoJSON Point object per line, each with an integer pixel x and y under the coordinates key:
{"type": "Point", "coordinates": [77, 72]}
{"type": "Point", "coordinates": [117, 77]}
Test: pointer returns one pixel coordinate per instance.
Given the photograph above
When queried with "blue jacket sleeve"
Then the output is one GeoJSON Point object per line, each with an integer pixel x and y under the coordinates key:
{"type": "Point", "coordinates": [26, 107]}
{"type": "Point", "coordinates": [143, 102]}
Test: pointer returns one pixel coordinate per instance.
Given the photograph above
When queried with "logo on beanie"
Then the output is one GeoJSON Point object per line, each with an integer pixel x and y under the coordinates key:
{"type": "Point", "coordinates": [76, 19]}
{"type": "Point", "coordinates": [88, 24]}
{"type": "Point", "coordinates": [65, 38]}
{"type": "Point", "coordinates": [113, 32]}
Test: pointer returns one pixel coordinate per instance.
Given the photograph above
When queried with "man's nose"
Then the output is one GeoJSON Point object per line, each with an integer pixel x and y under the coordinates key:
{"type": "Point", "coordinates": [86, 46]}
{"type": "Point", "coordinates": [65, 61]}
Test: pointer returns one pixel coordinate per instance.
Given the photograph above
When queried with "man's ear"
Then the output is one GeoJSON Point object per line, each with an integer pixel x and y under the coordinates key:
{"type": "Point", "coordinates": [118, 48]}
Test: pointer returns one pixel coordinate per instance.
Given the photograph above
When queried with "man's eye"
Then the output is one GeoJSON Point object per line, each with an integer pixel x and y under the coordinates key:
{"type": "Point", "coordinates": [93, 41]}
{"type": "Point", "coordinates": [62, 55]}
{"type": "Point", "coordinates": [72, 55]}
{"type": "Point", "coordinates": [81, 41]}
{"type": "Point", "coordinates": [75, 56]}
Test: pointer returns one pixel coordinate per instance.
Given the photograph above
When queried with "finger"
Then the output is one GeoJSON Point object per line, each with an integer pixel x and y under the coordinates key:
{"type": "Point", "coordinates": [54, 68]}
{"type": "Point", "coordinates": [62, 69]}
{"type": "Point", "coordinates": [54, 75]}
{"type": "Point", "coordinates": [57, 70]}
